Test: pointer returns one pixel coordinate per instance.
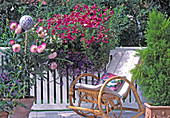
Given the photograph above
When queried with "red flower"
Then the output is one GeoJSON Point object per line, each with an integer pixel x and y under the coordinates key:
{"type": "Point", "coordinates": [75, 8]}
{"type": "Point", "coordinates": [105, 18]}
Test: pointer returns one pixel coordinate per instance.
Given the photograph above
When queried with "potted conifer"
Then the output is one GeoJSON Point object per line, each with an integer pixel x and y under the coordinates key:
{"type": "Point", "coordinates": [153, 74]}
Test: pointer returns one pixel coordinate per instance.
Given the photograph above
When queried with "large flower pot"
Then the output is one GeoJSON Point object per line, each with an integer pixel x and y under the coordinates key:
{"type": "Point", "coordinates": [3, 115]}
{"type": "Point", "coordinates": [157, 111]}
{"type": "Point", "coordinates": [22, 112]}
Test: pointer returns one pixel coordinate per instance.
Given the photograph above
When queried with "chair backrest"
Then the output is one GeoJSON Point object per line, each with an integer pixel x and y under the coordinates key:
{"type": "Point", "coordinates": [123, 60]}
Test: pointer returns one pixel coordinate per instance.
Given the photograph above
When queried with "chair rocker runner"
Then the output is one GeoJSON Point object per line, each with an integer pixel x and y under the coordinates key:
{"type": "Point", "coordinates": [98, 100]}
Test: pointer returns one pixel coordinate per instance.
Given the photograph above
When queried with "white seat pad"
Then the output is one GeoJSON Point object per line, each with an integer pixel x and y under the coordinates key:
{"type": "Point", "coordinates": [97, 87]}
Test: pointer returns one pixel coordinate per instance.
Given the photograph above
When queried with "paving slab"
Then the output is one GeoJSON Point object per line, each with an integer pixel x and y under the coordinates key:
{"type": "Point", "coordinates": [71, 114]}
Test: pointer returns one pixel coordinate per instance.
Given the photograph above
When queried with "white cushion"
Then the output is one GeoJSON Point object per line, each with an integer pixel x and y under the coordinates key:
{"type": "Point", "coordinates": [97, 87]}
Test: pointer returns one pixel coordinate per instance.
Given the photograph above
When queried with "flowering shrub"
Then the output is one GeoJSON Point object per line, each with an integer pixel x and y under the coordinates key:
{"type": "Point", "coordinates": [83, 37]}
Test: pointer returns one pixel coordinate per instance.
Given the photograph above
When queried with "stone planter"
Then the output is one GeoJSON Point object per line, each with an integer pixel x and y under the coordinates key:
{"type": "Point", "coordinates": [22, 112]}
{"type": "Point", "coordinates": [157, 111]}
{"type": "Point", "coordinates": [4, 115]}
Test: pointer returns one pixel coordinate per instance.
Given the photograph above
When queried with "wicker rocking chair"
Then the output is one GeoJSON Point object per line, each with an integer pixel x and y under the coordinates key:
{"type": "Point", "coordinates": [98, 100]}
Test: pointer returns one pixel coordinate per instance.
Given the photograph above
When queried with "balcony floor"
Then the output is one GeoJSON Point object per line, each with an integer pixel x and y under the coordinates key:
{"type": "Point", "coordinates": [71, 114]}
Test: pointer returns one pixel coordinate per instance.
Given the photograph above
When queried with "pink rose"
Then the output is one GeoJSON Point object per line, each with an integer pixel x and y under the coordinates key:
{"type": "Point", "coordinates": [52, 56]}
{"type": "Point", "coordinates": [33, 48]}
{"type": "Point", "coordinates": [41, 48]}
{"type": "Point", "coordinates": [18, 30]}
{"type": "Point", "coordinates": [13, 26]}
{"type": "Point", "coordinates": [12, 42]}
{"type": "Point", "coordinates": [16, 47]}
{"type": "Point", "coordinates": [53, 65]}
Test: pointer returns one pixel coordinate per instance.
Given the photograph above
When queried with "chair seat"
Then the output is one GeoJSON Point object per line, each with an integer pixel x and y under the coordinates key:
{"type": "Point", "coordinates": [97, 87]}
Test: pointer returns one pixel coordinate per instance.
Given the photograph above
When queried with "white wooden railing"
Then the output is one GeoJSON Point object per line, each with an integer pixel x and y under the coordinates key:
{"type": "Point", "coordinates": [52, 96]}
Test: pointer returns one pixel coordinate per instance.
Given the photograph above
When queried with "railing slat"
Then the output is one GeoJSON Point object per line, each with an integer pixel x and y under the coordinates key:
{"type": "Point", "coordinates": [45, 97]}
{"type": "Point", "coordinates": [64, 90]}
{"type": "Point", "coordinates": [51, 88]}
{"type": "Point", "coordinates": [58, 94]}
{"type": "Point", "coordinates": [38, 82]}
{"type": "Point", "coordinates": [32, 93]}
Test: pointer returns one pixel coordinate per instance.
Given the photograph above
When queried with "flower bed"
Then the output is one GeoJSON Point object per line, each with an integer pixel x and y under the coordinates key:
{"type": "Point", "coordinates": [80, 42]}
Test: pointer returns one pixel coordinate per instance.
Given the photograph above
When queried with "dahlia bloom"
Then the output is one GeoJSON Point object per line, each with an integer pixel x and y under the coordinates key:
{"type": "Point", "coordinates": [12, 42]}
{"type": "Point", "coordinates": [44, 44]}
{"type": "Point", "coordinates": [41, 48]}
{"type": "Point", "coordinates": [13, 26]}
{"type": "Point", "coordinates": [18, 30]}
{"type": "Point", "coordinates": [16, 47]}
{"type": "Point", "coordinates": [33, 48]}
{"type": "Point", "coordinates": [53, 65]}
{"type": "Point", "coordinates": [52, 56]}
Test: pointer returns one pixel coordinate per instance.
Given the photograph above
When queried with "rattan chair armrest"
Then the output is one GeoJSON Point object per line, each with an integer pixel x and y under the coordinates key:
{"type": "Point", "coordinates": [131, 86]}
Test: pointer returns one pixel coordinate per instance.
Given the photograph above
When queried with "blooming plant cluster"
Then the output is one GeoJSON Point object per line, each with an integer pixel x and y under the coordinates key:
{"type": "Point", "coordinates": [86, 24]}
{"type": "Point", "coordinates": [72, 43]}
{"type": "Point", "coordinates": [84, 36]}
{"type": "Point", "coordinates": [9, 86]}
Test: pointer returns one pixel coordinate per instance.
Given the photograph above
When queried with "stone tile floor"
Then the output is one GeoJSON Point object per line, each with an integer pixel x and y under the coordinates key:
{"type": "Point", "coordinates": [71, 114]}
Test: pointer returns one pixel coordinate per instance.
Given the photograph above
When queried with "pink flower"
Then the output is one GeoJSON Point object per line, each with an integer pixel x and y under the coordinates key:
{"type": "Point", "coordinates": [81, 8]}
{"type": "Point", "coordinates": [69, 52]}
{"type": "Point", "coordinates": [52, 56]}
{"type": "Point", "coordinates": [100, 14]}
{"type": "Point", "coordinates": [16, 47]}
{"type": "Point", "coordinates": [95, 6]}
{"type": "Point", "coordinates": [12, 42]}
{"type": "Point", "coordinates": [41, 35]}
{"type": "Point", "coordinates": [41, 48]}
{"type": "Point", "coordinates": [44, 44]}
{"type": "Point", "coordinates": [105, 18]}
{"type": "Point", "coordinates": [75, 8]}
{"type": "Point", "coordinates": [39, 30]}
{"type": "Point", "coordinates": [18, 30]}
{"type": "Point", "coordinates": [33, 48]}
{"type": "Point", "coordinates": [53, 65]}
{"type": "Point", "coordinates": [65, 41]}
{"type": "Point", "coordinates": [13, 26]}
{"type": "Point", "coordinates": [40, 20]}
{"type": "Point", "coordinates": [112, 12]}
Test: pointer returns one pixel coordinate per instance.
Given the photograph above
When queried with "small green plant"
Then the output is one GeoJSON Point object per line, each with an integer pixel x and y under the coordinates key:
{"type": "Point", "coordinates": [153, 74]}
{"type": "Point", "coordinates": [10, 91]}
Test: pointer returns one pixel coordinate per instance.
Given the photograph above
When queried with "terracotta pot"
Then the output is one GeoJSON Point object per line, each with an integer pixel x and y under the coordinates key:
{"type": "Point", "coordinates": [4, 114]}
{"type": "Point", "coordinates": [157, 111]}
{"type": "Point", "coordinates": [22, 112]}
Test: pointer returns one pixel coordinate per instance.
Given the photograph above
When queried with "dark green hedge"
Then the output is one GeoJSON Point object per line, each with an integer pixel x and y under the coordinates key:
{"type": "Point", "coordinates": [131, 32]}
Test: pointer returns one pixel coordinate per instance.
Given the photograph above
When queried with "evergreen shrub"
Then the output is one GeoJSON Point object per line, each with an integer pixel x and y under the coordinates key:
{"type": "Point", "coordinates": [153, 75]}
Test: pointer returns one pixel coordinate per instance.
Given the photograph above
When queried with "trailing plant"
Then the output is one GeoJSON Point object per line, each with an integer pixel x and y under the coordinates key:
{"type": "Point", "coordinates": [153, 74]}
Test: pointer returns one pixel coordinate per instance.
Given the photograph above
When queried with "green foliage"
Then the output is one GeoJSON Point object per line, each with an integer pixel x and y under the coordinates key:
{"type": "Point", "coordinates": [153, 74]}
{"type": "Point", "coordinates": [133, 28]}
{"type": "Point", "coordinates": [10, 90]}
